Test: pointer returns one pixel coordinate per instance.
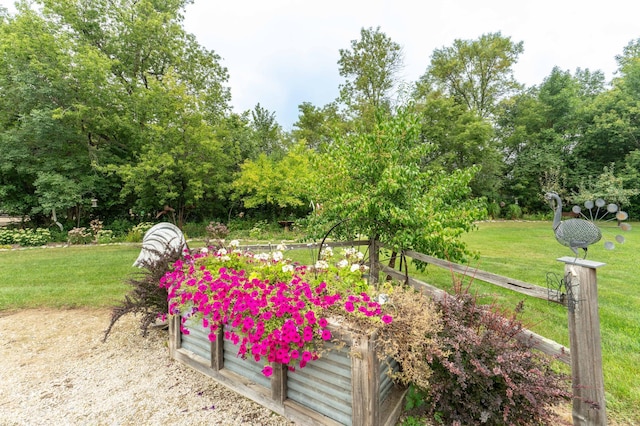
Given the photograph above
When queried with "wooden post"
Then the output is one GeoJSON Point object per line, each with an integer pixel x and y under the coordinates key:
{"type": "Point", "coordinates": [365, 382]}
{"type": "Point", "coordinates": [584, 337]}
{"type": "Point", "coordinates": [374, 255]}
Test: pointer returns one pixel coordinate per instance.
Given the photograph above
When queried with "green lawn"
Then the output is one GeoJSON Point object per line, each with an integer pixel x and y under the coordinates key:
{"type": "Point", "coordinates": [65, 277]}
{"type": "Point", "coordinates": [93, 276]}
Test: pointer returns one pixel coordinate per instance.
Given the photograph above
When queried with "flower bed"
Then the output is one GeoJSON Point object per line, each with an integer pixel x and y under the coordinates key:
{"type": "Point", "coordinates": [279, 333]}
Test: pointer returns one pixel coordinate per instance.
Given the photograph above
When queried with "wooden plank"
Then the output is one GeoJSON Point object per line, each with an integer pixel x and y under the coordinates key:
{"type": "Point", "coordinates": [499, 280]}
{"type": "Point", "coordinates": [541, 343]}
{"type": "Point", "coordinates": [279, 383]}
{"type": "Point", "coordinates": [365, 383]}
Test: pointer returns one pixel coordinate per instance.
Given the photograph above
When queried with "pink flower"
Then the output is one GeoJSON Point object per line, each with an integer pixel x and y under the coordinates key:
{"type": "Point", "coordinates": [326, 335]}
{"type": "Point", "coordinates": [348, 306]}
{"type": "Point", "coordinates": [267, 371]}
{"type": "Point", "coordinates": [322, 322]}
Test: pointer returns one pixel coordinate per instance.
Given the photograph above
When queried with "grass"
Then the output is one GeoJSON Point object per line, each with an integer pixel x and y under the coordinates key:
{"type": "Point", "coordinates": [93, 276]}
{"type": "Point", "coordinates": [68, 277]}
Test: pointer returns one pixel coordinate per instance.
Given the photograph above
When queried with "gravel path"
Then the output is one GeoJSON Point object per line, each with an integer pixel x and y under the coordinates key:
{"type": "Point", "coordinates": [56, 371]}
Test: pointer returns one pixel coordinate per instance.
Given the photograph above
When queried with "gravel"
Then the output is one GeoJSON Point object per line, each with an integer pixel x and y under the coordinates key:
{"type": "Point", "coordinates": [57, 371]}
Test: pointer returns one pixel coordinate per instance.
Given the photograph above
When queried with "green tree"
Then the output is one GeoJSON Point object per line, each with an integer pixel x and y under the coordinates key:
{"type": "Point", "coordinates": [477, 73]}
{"type": "Point", "coordinates": [281, 187]}
{"type": "Point", "coordinates": [460, 139]}
{"type": "Point", "coordinates": [539, 130]}
{"type": "Point", "coordinates": [267, 132]}
{"type": "Point", "coordinates": [370, 69]}
{"type": "Point", "coordinates": [375, 179]}
{"type": "Point", "coordinates": [46, 162]}
{"type": "Point", "coordinates": [316, 126]}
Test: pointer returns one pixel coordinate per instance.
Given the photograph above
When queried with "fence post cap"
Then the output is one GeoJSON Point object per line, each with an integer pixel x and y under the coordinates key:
{"type": "Point", "coordinates": [580, 262]}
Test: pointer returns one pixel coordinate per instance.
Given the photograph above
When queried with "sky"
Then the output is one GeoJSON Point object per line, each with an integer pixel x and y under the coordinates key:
{"type": "Point", "coordinates": [281, 53]}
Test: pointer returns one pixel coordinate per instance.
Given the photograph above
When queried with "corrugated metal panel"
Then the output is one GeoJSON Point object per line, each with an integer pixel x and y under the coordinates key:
{"type": "Point", "coordinates": [248, 367]}
{"type": "Point", "coordinates": [197, 341]}
{"type": "Point", "coordinates": [324, 385]}
{"type": "Point", "coordinates": [386, 384]}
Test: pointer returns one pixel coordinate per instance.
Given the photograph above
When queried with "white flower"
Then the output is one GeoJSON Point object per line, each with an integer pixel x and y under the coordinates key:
{"type": "Point", "coordinates": [287, 268]}
{"type": "Point", "coordinates": [225, 258]}
{"type": "Point", "coordinates": [222, 252]}
{"type": "Point", "coordinates": [277, 256]}
{"type": "Point", "coordinates": [204, 250]}
{"type": "Point", "coordinates": [322, 264]}
{"type": "Point", "coordinates": [343, 263]}
{"type": "Point", "coordinates": [234, 243]}
{"type": "Point", "coordinates": [326, 253]}
{"type": "Point", "coordinates": [355, 267]}
{"type": "Point", "coordinates": [281, 247]}
{"type": "Point", "coordinates": [359, 255]}
{"type": "Point", "coordinates": [263, 256]}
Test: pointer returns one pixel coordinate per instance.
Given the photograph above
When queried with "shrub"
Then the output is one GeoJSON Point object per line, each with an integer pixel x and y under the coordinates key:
{"type": "Point", "coordinates": [484, 374]}
{"type": "Point", "coordinates": [25, 237]}
{"type": "Point", "coordinates": [514, 212]}
{"type": "Point", "coordinates": [136, 233]}
{"type": "Point", "coordinates": [79, 236]}
{"type": "Point", "coordinates": [146, 297]}
{"type": "Point", "coordinates": [493, 210]}
{"type": "Point", "coordinates": [216, 233]}
{"type": "Point", "coordinates": [104, 236]}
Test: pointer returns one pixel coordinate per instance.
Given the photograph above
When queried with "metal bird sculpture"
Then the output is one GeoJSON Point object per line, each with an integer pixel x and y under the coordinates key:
{"type": "Point", "coordinates": [580, 233]}
{"type": "Point", "coordinates": [573, 233]}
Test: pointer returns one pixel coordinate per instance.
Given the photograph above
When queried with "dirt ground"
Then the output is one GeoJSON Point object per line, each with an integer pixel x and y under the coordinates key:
{"type": "Point", "coordinates": [56, 371]}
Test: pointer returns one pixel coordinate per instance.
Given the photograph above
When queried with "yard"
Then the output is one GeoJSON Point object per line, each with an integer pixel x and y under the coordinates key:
{"type": "Point", "coordinates": [90, 278]}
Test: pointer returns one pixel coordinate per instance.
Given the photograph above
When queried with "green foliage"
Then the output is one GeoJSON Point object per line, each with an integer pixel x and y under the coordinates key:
{"type": "Point", "coordinates": [25, 237]}
{"type": "Point", "coordinates": [493, 210]}
{"type": "Point", "coordinates": [284, 186]}
{"type": "Point", "coordinates": [136, 233]}
{"type": "Point", "coordinates": [477, 73]}
{"type": "Point", "coordinates": [375, 180]}
{"type": "Point", "coordinates": [607, 186]}
{"type": "Point", "coordinates": [514, 211]}
{"type": "Point", "coordinates": [370, 68]}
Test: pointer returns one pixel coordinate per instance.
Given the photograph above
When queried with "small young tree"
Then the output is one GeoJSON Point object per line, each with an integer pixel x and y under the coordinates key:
{"type": "Point", "coordinates": [380, 181]}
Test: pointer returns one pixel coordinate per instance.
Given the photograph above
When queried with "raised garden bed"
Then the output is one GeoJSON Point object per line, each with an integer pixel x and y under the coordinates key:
{"type": "Point", "coordinates": [348, 385]}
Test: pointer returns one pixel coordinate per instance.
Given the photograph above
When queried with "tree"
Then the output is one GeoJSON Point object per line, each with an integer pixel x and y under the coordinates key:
{"type": "Point", "coordinates": [316, 126]}
{"type": "Point", "coordinates": [539, 130]}
{"type": "Point", "coordinates": [182, 164]}
{"type": "Point", "coordinates": [370, 69]}
{"type": "Point", "coordinates": [267, 132]}
{"type": "Point", "coordinates": [45, 164]}
{"type": "Point", "coordinates": [477, 73]}
{"type": "Point", "coordinates": [460, 139]}
{"type": "Point", "coordinates": [375, 180]}
{"type": "Point", "coordinates": [282, 187]}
